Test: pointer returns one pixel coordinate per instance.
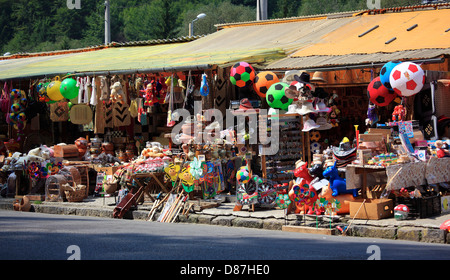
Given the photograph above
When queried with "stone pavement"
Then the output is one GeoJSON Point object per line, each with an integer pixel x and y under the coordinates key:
{"type": "Point", "coordinates": [421, 230]}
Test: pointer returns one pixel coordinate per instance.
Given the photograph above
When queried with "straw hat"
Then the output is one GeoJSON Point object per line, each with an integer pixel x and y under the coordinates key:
{"type": "Point", "coordinates": [292, 109]}
{"type": "Point", "coordinates": [307, 107]}
{"type": "Point", "coordinates": [299, 163]}
{"type": "Point", "coordinates": [289, 75]}
{"type": "Point", "coordinates": [318, 77]}
{"type": "Point", "coordinates": [322, 122]}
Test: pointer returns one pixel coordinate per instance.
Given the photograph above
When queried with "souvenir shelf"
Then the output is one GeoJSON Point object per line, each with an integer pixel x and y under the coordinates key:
{"type": "Point", "coordinates": [293, 146]}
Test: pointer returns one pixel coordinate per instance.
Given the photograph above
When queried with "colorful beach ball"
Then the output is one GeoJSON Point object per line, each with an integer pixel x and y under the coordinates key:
{"type": "Point", "coordinates": [242, 74]}
{"type": "Point", "coordinates": [53, 91]}
{"type": "Point", "coordinates": [243, 175]}
{"type": "Point", "coordinates": [379, 94]}
{"type": "Point", "coordinates": [407, 79]}
{"type": "Point", "coordinates": [69, 88]}
{"type": "Point", "coordinates": [263, 81]}
{"type": "Point", "coordinates": [385, 73]}
{"type": "Point", "coordinates": [276, 97]}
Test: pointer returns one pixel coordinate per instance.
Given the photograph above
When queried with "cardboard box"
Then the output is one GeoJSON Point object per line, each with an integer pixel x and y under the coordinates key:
{"type": "Point", "coordinates": [107, 170]}
{"type": "Point", "coordinates": [373, 209]}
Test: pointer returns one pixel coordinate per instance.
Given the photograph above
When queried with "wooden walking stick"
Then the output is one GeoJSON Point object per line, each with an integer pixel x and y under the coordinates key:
{"type": "Point", "coordinates": [172, 207]}
{"type": "Point", "coordinates": [153, 209]}
{"type": "Point", "coordinates": [179, 208]}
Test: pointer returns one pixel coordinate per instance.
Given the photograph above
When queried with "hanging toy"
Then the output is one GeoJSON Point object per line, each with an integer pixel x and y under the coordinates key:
{"type": "Point", "coordinates": [17, 117]}
{"type": "Point", "coordinates": [149, 93]}
{"type": "Point", "coordinates": [204, 88]}
{"type": "Point", "coordinates": [399, 113]}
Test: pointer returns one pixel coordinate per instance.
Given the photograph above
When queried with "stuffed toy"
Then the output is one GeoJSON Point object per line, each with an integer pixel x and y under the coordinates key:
{"type": "Point", "coordinates": [149, 93]}
{"type": "Point", "coordinates": [333, 116]}
{"type": "Point", "coordinates": [117, 93]}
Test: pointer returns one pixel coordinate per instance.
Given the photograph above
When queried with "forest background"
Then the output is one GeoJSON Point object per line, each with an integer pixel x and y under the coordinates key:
{"type": "Point", "coordinates": [47, 25]}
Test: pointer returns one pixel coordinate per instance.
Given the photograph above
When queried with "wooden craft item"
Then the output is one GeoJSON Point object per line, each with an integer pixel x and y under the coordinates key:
{"type": "Point", "coordinates": [66, 151]}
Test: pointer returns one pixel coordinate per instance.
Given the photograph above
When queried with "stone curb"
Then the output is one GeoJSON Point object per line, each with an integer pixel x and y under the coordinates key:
{"type": "Point", "coordinates": [244, 219]}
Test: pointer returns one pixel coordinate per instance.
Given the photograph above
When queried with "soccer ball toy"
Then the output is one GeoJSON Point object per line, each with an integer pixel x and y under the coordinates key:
{"type": "Point", "coordinates": [385, 73]}
{"type": "Point", "coordinates": [243, 175]}
{"type": "Point", "coordinates": [379, 94]}
{"type": "Point", "coordinates": [242, 74]}
{"type": "Point", "coordinates": [263, 81]}
{"type": "Point", "coordinates": [276, 97]}
{"type": "Point", "coordinates": [401, 212]}
{"type": "Point", "coordinates": [407, 79]}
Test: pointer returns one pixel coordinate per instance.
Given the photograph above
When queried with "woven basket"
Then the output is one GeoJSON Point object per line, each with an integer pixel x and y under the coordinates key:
{"type": "Point", "coordinates": [76, 194]}
{"type": "Point", "coordinates": [110, 187]}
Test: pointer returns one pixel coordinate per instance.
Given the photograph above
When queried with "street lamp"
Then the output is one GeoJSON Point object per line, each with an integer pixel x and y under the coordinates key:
{"type": "Point", "coordinates": [191, 25]}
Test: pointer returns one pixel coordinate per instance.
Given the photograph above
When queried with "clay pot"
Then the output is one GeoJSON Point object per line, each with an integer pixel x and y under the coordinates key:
{"type": "Point", "coordinates": [16, 205]}
{"type": "Point", "coordinates": [25, 204]}
{"type": "Point", "coordinates": [107, 147]}
{"type": "Point", "coordinates": [82, 151]}
{"type": "Point", "coordinates": [81, 143]}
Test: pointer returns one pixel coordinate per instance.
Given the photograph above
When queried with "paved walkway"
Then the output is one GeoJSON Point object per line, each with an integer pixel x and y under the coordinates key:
{"type": "Point", "coordinates": [422, 230]}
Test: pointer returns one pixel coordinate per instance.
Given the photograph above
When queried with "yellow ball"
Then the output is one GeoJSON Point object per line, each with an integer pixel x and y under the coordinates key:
{"type": "Point", "coordinates": [53, 91]}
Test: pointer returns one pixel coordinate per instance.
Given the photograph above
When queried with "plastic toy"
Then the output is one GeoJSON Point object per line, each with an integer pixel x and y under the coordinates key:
{"type": "Point", "coordinates": [204, 88]}
{"type": "Point", "coordinates": [263, 81]}
{"type": "Point", "coordinates": [303, 172]}
{"type": "Point", "coordinates": [276, 97]}
{"type": "Point", "coordinates": [385, 73]}
{"type": "Point", "coordinates": [69, 88]}
{"type": "Point", "coordinates": [337, 184]}
{"type": "Point", "coordinates": [401, 212]}
{"type": "Point", "coordinates": [242, 74]}
{"type": "Point", "coordinates": [343, 200]}
{"type": "Point", "coordinates": [379, 94]}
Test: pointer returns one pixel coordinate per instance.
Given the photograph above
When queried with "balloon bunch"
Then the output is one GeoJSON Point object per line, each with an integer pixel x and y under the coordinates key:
{"type": "Point", "coordinates": [51, 92]}
{"type": "Point", "coordinates": [17, 116]}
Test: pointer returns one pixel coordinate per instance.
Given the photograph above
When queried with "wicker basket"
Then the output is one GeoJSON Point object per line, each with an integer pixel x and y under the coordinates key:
{"type": "Point", "coordinates": [110, 187]}
{"type": "Point", "coordinates": [75, 194]}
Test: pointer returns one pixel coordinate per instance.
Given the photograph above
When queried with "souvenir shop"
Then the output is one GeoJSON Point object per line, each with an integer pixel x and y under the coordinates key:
{"type": "Point", "coordinates": [372, 143]}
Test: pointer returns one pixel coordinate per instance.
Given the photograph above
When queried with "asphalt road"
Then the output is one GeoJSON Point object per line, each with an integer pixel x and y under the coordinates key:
{"type": "Point", "coordinates": [36, 236]}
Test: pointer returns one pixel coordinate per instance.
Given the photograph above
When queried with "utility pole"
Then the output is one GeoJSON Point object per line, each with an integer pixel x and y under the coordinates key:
{"type": "Point", "coordinates": [261, 9]}
{"type": "Point", "coordinates": [107, 23]}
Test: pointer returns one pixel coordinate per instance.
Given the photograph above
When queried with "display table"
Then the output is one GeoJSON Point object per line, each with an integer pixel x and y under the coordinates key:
{"type": "Point", "coordinates": [438, 170]}
{"type": "Point", "coordinates": [356, 176]}
{"type": "Point", "coordinates": [433, 171]}
{"type": "Point", "coordinates": [138, 177]}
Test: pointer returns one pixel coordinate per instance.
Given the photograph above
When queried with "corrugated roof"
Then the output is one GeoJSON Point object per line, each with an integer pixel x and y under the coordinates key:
{"type": "Point", "coordinates": [387, 33]}
{"type": "Point", "coordinates": [254, 44]}
{"type": "Point", "coordinates": [330, 61]}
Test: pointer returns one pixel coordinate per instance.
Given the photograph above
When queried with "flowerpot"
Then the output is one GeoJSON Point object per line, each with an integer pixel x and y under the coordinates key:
{"type": "Point", "coordinates": [25, 204]}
